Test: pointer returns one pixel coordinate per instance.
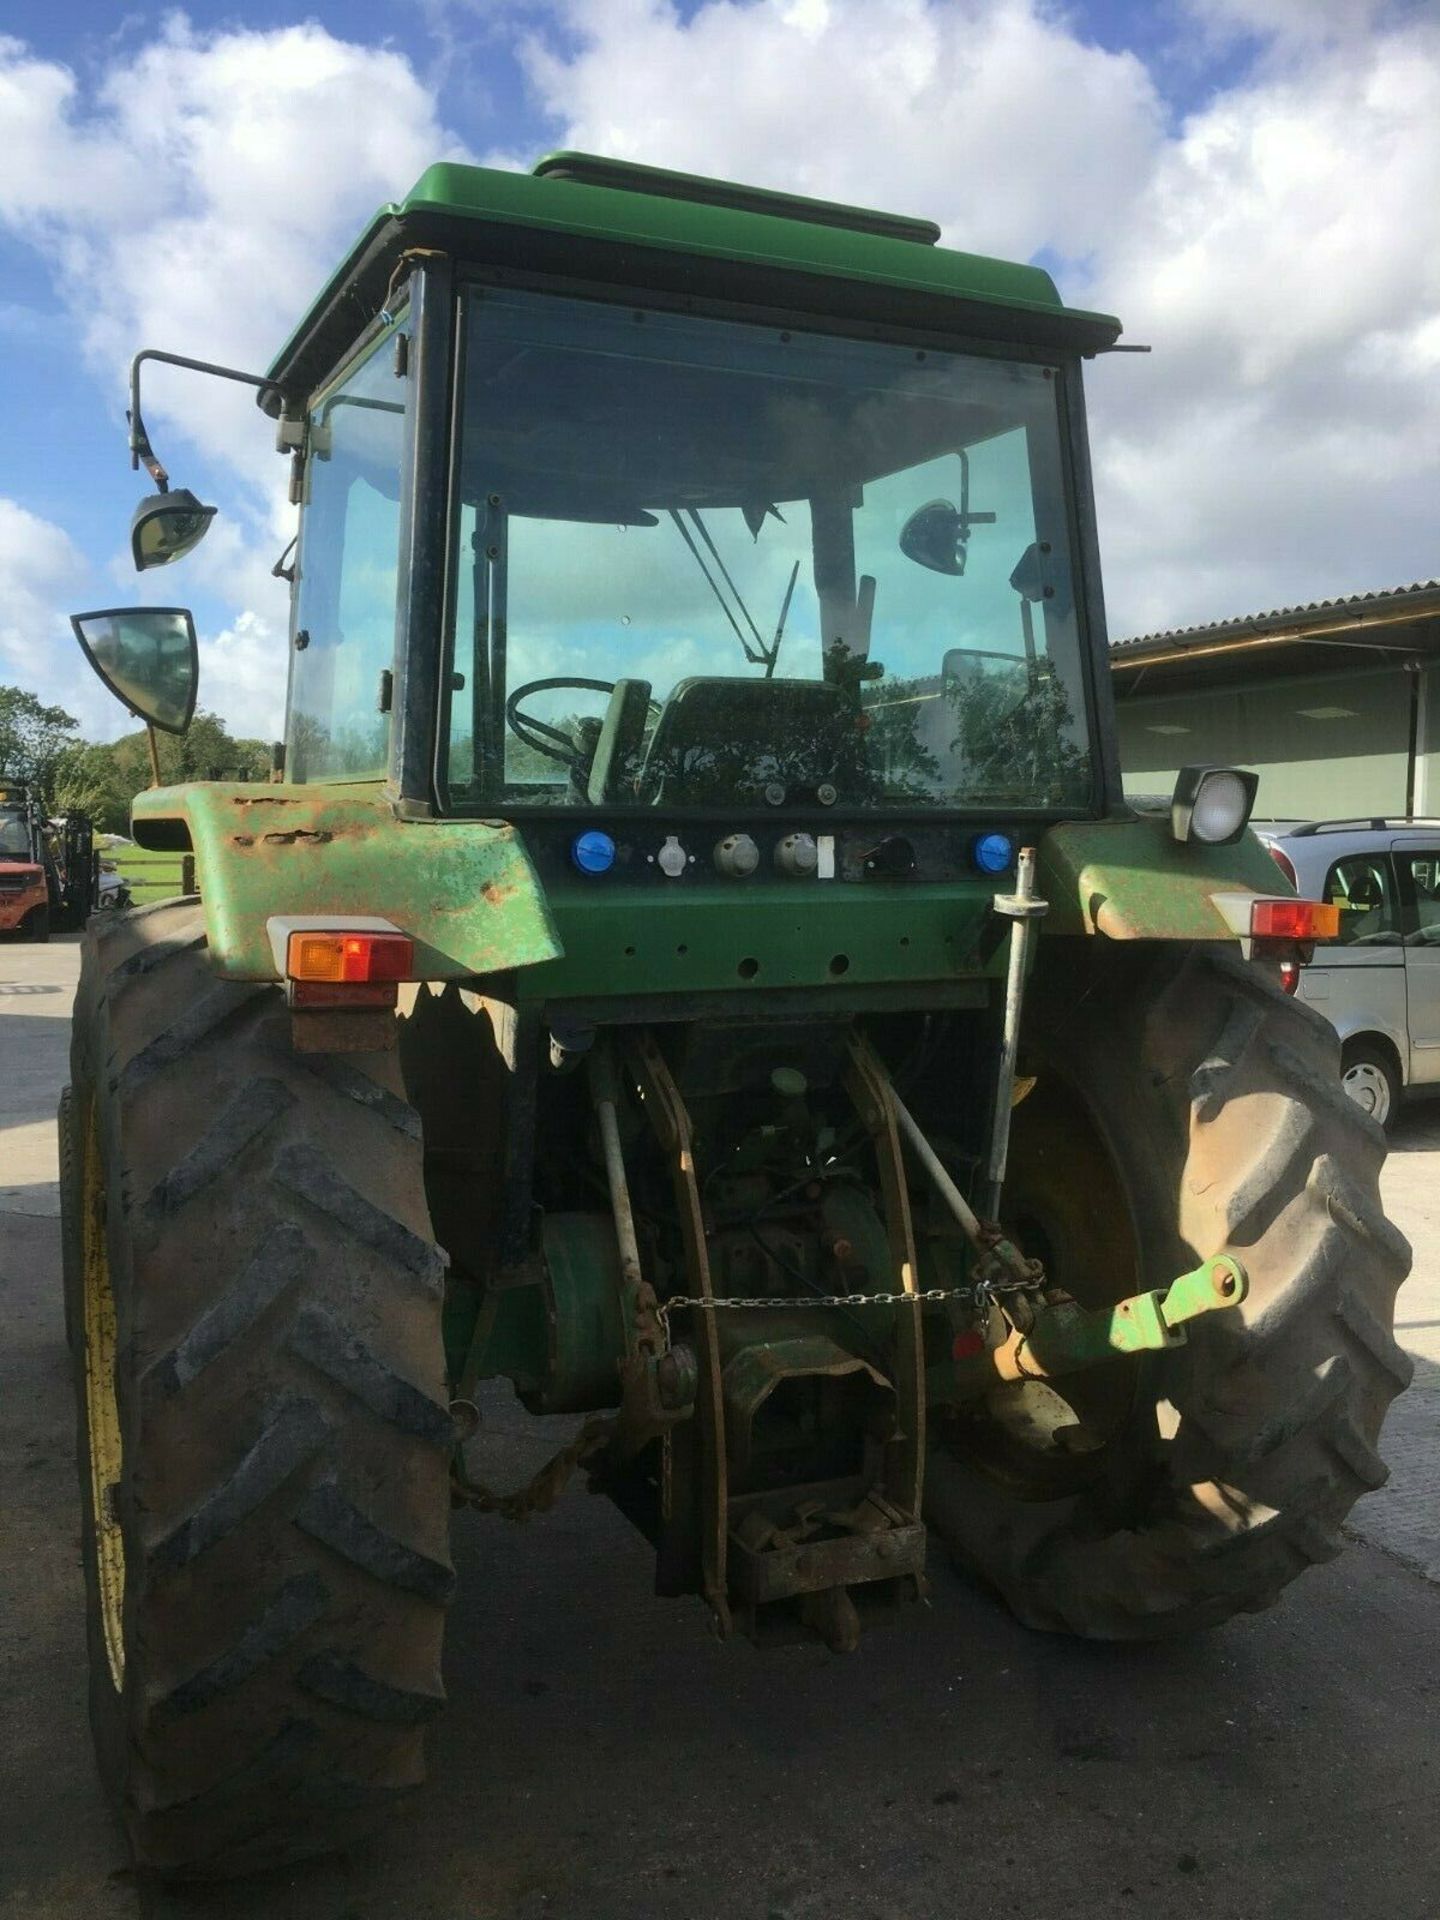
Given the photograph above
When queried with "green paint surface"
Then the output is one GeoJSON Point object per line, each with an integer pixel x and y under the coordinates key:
{"type": "Point", "coordinates": [449, 191]}
{"type": "Point", "coordinates": [464, 890]}
{"type": "Point", "coordinates": [762, 239]}
{"type": "Point", "coordinates": [706, 938]}
{"type": "Point", "coordinates": [1130, 880]}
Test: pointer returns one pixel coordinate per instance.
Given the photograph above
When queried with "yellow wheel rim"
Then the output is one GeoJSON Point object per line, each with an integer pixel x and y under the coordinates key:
{"type": "Point", "coordinates": [102, 1413]}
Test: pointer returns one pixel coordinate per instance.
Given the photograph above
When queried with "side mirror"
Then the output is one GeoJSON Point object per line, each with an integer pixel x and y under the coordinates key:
{"type": "Point", "coordinates": [166, 526]}
{"type": "Point", "coordinates": [937, 535]}
{"type": "Point", "coordinates": [993, 684]}
{"type": "Point", "coordinates": [931, 537]}
{"type": "Point", "coordinates": [147, 657]}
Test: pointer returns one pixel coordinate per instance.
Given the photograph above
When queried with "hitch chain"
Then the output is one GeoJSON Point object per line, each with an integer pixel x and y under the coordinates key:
{"type": "Point", "coordinates": [978, 1294]}
{"type": "Point", "coordinates": [542, 1490]}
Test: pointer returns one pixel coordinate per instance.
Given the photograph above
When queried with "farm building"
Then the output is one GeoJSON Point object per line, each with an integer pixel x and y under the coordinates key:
{"type": "Point", "coordinates": [1336, 705]}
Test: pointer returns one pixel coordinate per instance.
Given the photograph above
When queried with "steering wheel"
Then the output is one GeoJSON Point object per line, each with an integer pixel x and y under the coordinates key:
{"type": "Point", "coordinates": [553, 742]}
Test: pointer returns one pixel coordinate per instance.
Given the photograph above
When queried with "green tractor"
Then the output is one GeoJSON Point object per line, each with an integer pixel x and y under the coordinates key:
{"type": "Point", "coordinates": [694, 962]}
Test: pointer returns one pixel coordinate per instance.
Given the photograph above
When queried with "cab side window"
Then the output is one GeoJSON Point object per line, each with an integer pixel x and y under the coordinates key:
{"type": "Point", "coordinates": [346, 577]}
{"type": "Point", "coordinates": [1421, 877]}
{"type": "Point", "coordinates": [1362, 888]}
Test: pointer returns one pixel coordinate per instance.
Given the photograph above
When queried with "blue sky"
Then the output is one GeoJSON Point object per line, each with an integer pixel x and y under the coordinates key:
{"type": "Point", "coordinates": [1250, 183]}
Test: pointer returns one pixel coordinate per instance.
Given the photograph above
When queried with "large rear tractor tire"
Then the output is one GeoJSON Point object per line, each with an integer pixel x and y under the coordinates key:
{"type": "Point", "coordinates": [254, 1302]}
{"type": "Point", "coordinates": [1184, 1107]}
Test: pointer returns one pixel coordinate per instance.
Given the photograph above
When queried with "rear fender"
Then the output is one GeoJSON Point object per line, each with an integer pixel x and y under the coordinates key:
{"type": "Point", "coordinates": [1132, 880]}
{"type": "Point", "coordinates": [464, 890]}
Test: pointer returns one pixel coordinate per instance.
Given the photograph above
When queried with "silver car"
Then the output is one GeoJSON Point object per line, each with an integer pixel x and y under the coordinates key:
{"type": "Point", "coordinates": [1378, 983]}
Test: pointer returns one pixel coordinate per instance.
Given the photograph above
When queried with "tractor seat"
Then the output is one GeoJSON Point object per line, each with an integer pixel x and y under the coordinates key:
{"type": "Point", "coordinates": [615, 763]}
{"type": "Point", "coordinates": [722, 741]}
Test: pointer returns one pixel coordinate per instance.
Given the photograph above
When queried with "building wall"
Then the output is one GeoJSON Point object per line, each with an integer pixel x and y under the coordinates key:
{"type": "Point", "coordinates": [1326, 746]}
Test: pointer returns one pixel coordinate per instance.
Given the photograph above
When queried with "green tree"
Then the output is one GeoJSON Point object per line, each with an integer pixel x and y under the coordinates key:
{"type": "Point", "coordinates": [87, 780]}
{"type": "Point", "coordinates": [33, 738]}
{"type": "Point", "coordinates": [103, 779]}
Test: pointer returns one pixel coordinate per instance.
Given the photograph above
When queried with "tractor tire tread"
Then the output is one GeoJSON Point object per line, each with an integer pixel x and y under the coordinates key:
{"type": "Point", "coordinates": [327, 1343]}
{"type": "Point", "coordinates": [298, 1604]}
{"type": "Point", "coordinates": [326, 1515]}
{"type": "Point", "coordinates": [248, 1113]}
{"type": "Point", "coordinates": [344, 1684]}
{"type": "Point", "coordinates": [282, 1398]}
{"type": "Point", "coordinates": [309, 1175]}
{"type": "Point", "coordinates": [1276, 1411]}
{"type": "Point", "coordinates": [294, 1433]}
{"type": "Point", "coordinates": [280, 1261]}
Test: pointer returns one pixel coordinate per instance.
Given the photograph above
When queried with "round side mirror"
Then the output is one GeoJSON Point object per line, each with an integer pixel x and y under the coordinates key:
{"type": "Point", "coordinates": [932, 537]}
{"type": "Point", "coordinates": [166, 526]}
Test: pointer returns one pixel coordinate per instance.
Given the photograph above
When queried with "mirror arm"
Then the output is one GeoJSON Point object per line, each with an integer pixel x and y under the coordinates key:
{"type": "Point", "coordinates": [140, 449]}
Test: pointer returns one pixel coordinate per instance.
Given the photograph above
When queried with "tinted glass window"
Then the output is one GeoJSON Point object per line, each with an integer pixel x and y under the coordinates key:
{"type": "Point", "coordinates": [14, 838]}
{"type": "Point", "coordinates": [1422, 872]}
{"type": "Point", "coordinates": [1361, 887]}
{"type": "Point", "coordinates": [347, 572]}
{"type": "Point", "coordinates": [705, 564]}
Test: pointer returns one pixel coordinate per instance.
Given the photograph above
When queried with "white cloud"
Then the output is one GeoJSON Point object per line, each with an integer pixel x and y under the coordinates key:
{"type": "Point", "coordinates": [41, 573]}
{"type": "Point", "coordinates": [205, 193]}
{"type": "Point", "coordinates": [197, 200]}
{"type": "Point", "coordinates": [987, 115]}
{"type": "Point", "coordinates": [1284, 445]}
{"type": "Point", "coordinates": [1280, 247]}
{"type": "Point", "coordinates": [248, 661]}
{"type": "Point", "coordinates": [38, 562]}
{"type": "Point", "coordinates": [1288, 20]}
{"type": "Point", "coordinates": [1281, 250]}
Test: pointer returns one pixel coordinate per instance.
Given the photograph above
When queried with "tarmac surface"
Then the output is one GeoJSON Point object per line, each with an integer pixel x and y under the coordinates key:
{"type": "Point", "coordinates": [603, 1757]}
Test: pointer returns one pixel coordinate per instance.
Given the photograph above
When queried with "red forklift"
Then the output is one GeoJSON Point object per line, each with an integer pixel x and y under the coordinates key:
{"type": "Point", "coordinates": [49, 870]}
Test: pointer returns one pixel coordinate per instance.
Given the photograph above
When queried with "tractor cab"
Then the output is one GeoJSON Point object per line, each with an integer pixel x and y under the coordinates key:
{"type": "Point", "coordinates": [726, 554]}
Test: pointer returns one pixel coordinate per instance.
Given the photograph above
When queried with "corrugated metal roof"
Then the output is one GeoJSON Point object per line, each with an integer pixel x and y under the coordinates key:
{"type": "Point", "coordinates": [1386, 603]}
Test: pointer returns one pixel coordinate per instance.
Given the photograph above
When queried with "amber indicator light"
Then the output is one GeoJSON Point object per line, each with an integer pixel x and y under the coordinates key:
{"type": "Point", "coordinates": [350, 959]}
{"type": "Point", "coordinates": [1294, 920]}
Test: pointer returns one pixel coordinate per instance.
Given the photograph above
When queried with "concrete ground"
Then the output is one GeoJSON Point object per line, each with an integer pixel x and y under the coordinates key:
{"type": "Point", "coordinates": [602, 1757]}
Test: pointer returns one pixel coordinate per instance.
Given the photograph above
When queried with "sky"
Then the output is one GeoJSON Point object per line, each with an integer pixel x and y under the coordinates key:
{"type": "Point", "coordinates": [1250, 184]}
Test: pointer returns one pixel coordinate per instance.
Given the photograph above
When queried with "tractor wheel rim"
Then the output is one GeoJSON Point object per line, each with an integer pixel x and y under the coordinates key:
{"type": "Point", "coordinates": [102, 1412]}
{"type": "Point", "coordinates": [1369, 1089]}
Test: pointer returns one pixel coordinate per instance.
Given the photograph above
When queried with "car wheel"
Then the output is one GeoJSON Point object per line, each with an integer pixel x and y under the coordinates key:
{"type": "Point", "coordinates": [1369, 1078]}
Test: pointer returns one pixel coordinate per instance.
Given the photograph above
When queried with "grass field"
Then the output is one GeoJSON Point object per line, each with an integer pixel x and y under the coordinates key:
{"type": "Point", "coordinates": [150, 876]}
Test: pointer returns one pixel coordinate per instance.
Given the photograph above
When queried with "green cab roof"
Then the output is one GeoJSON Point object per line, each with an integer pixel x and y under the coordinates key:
{"type": "Point", "coordinates": [631, 228]}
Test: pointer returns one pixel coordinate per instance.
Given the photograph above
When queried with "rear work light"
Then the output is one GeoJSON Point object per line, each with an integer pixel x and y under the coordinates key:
{"type": "Point", "coordinates": [1212, 804]}
{"type": "Point", "coordinates": [1294, 920]}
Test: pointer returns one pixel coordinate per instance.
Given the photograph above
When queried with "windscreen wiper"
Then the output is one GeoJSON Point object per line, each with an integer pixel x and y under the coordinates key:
{"type": "Point", "coordinates": [756, 652]}
{"type": "Point", "coordinates": [774, 654]}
